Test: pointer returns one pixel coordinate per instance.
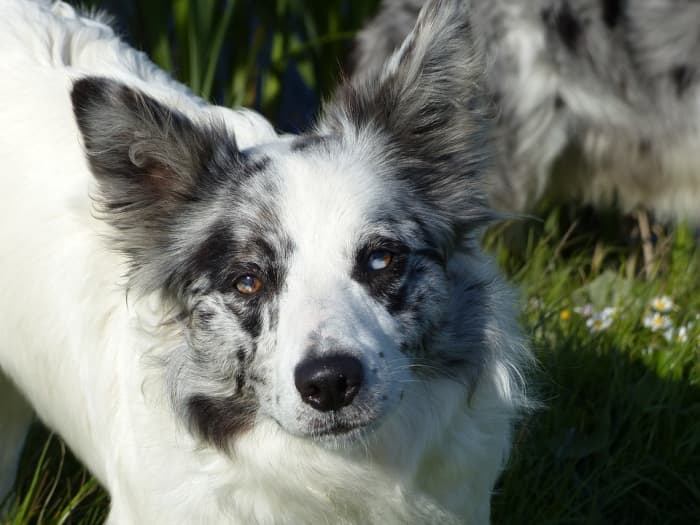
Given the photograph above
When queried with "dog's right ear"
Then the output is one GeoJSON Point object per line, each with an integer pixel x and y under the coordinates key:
{"type": "Point", "coordinates": [427, 110]}
{"type": "Point", "coordinates": [149, 161]}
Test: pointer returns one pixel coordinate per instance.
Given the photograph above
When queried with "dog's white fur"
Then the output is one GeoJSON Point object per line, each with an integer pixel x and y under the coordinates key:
{"type": "Point", "coordinates": [76, 345]}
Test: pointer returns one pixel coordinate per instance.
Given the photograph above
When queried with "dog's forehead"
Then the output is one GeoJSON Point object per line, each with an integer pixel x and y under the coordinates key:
{"type": "Point", "coordinates": [328, 195]}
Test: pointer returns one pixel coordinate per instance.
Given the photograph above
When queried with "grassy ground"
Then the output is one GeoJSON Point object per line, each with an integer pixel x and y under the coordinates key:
{"type": "Point", "coordinates": [618, 437]}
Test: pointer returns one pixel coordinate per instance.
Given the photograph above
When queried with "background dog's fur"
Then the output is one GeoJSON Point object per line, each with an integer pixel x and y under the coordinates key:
{"type": "Point", "coordinates": [122, 328]}
{"type": "Point", "coordinates": [596, 100]}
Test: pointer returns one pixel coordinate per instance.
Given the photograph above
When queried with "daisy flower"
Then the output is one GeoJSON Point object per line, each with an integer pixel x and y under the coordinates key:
{"type": "Point", "coordinates": [656, 321]}
{"type": "Point", "coordinates": [676, 336]}
{"type": "Point", "coordinates": [662, 305]}
{"type": "Point", "coordinates": [600, 321]}
{"type": "Point", "coordinates": [609, 311]}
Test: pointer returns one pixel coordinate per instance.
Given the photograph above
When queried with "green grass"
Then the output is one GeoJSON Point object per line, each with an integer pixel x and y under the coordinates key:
{"type": "Point", "coordinates": [53, 488]}
{"type": "Point", "coordinates": [618, 437]}
{"type": "Point", "coordinates": [240, 52]}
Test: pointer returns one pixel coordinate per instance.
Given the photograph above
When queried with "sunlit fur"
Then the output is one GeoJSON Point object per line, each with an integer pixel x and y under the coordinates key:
{"type": "Point", "coordinates": [133, 209]}
{"type": "Point", "coordinates": [598, 100]}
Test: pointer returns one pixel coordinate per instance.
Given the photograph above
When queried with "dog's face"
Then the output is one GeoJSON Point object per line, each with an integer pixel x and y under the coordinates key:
{"type": "Point", "coordinates": [326, 282]}
{"type": "Point", "coordinates": [314, 277]}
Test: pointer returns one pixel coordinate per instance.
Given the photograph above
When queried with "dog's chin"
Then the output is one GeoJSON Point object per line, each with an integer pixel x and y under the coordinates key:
{"type": "Point", "coordinates": [339, 429]}
{"type": "Point", "coordinates": [341, 434]}
{"type": "Point", "coordinates": [337, 432]}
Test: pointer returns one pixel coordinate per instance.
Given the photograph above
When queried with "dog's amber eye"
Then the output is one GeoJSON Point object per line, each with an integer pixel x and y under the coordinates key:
{"type": "Point", "coordinates": [248, 284]}
{"type": "Point", "coordinates": [379, 260]}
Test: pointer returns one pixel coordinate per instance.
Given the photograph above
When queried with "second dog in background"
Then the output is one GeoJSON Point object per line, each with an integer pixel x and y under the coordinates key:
{"type": "Point", "coordinates": [596, 100]}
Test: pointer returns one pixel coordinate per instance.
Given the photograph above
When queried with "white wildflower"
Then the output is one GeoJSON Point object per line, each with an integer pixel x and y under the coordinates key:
{"type": "Point", "coordinates": [676, 336]}
{"type": "Point", "coordinates": [608, 312]}
{"type": "Point", "coordinates": [656, 321]}
{"type": "Point", "coordinates": [598, 322]}
{"type": "Point", "coordinates": [682, 334]}
{"type": "Point", "coordinates": [662, 305]}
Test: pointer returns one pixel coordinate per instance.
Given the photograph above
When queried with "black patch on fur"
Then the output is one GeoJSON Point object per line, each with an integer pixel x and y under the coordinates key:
{"type": "Point", "coordinates": [682, 76]}
{"type": "Point", "coordinates": [564, 23]}
{"type": "Point", "coordinates": [251, 166]}
{"type": "Point", "coordinates": [255, 378]}
{"type": "Point", "coordinates": [546, 15]}
{"type": "Point", "coordinates": [388, 286]}
{"type": "Point", "coordinates": [645, 146]}
{"type": "Point", "coordinates": [213, 258]}
{"type": "Point", "coordinates": [304, 142]}
{"type": "Point", "coordinates": [495, 101]}
{"type": "Point", "coordinates": [568, 27]}
{"type": "Point", "coordinates": [613, 12]}
{"type": "Point", "coordinates": [433, 255]}
{"type": "Point", "coordinates": [239, 380]}
{"type": "Point", "coordinates": [453, 362]}
{"type": "Point", "coordinates": [217, 420]}
{"type": "Point", "coordinates": [205, 317]}
{"type": "Point", "coordinates": [222, 259]}
{"type": "Point", "coordinates": [249, 313]}
{"type": "Point", "coordinates": [559, 103]}
{"type": "Point", "coordinates": [153, 166]}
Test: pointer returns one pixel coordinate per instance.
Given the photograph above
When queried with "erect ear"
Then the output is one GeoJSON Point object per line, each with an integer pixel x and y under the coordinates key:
{"type": "Point", "coordinates": [140, 151]}
{"type": "Point", "coordinates": [150, 161]}
{"type": "Point", "coordinates": [427, 108]}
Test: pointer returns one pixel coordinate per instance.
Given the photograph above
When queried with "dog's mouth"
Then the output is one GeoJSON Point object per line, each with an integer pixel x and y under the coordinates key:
{"type": "Point", "coordinates": [358, 421]}
{"type": "Point", "coordinates": [339, 429]}
{"type": "Point", "coordinates": [336, 429]}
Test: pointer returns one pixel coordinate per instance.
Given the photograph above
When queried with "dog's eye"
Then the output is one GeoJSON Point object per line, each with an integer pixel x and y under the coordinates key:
{"type": "Point", "coordinates": [379, 260]}
{"type": "Point", "coordinates": [248, 284]}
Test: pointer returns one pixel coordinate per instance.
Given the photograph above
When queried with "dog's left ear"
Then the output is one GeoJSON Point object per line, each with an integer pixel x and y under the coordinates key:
{"type": "Point", "coordinates": [427, 109]}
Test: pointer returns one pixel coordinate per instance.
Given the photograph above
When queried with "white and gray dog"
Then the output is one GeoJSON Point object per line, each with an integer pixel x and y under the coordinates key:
{"type": "Point", "coordinates": [228, 326]}
{"type": "Point", "coordinates": [598, 100]}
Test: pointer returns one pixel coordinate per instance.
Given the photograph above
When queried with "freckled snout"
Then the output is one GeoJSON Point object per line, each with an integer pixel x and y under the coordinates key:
{"type": "Point", "coordinates": [329, 382]}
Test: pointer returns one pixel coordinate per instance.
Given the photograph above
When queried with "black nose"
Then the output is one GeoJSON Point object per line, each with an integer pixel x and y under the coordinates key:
{"type": "Point", "coordinates": [330, 382]}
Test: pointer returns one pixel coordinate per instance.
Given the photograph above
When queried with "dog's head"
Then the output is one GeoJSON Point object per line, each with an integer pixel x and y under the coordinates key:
{"type": "Point", "coordinates": [319, 278]}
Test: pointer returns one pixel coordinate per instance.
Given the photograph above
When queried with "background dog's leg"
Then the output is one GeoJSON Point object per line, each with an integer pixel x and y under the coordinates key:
{"type": "Point", "coordinates": [647, 245]}
{"type": "Point", "coordinates": [15, 417]}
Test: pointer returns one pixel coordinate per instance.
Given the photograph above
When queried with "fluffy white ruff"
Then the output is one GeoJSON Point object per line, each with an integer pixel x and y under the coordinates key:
{"type": "Point", "coordinates": [76, 347]}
